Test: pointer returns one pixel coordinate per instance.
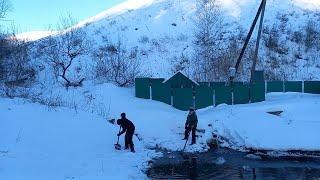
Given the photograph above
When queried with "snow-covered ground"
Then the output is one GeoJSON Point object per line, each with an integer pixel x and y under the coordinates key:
{"type": "Point", "coordinates": [59, 144]}
{"type": "Point", "coordinates": [41, 142]}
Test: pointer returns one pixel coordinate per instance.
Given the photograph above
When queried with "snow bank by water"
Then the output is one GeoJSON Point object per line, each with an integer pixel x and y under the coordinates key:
{"type": "Point", "coordinates": [250, 126]}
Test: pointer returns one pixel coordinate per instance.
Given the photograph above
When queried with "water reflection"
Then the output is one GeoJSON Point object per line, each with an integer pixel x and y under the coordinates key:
{"type": "Point", "coordinates": [236, 166]}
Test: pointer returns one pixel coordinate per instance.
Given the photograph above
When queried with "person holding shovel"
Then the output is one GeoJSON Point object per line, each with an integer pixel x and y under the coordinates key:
{"type": "Point", "coordinates": [191, 125]}
{"type": "Point", "coordinates": [128, 128]}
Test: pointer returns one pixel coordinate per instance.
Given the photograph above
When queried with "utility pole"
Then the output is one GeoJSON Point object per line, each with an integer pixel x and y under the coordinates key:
{"type": "Point", "coordinates": [255, 57]}
{"type": "Point", "coordinates": [235, 69]}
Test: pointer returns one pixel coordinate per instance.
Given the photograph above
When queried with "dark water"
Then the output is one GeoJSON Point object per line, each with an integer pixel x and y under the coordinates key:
{"type": "Point", "coordinates": [229, 164]}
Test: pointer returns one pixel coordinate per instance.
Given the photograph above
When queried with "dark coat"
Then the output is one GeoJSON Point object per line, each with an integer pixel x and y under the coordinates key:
{"type": "Point", "coordinates": [192, 120]}
{"type": "Point", "coordinates": [126, 125]}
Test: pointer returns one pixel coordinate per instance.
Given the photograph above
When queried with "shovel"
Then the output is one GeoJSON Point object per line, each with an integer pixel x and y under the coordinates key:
{"type": "Point", "coordinates": [185, 156]}
{"type": "Point", "coordinates": [184, 147]}
{"type": "Point", "coordinates": [118, 146]}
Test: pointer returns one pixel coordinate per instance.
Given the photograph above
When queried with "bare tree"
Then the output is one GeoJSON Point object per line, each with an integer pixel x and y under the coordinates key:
{"type": "Point", "coordinates": [208, 25]}
{"type": "Point", "coordinates": [5, 7]}
{"type": "Point", "coordinates": [114, 63]}
{"type": "Point", "coordinates": [63, 49]}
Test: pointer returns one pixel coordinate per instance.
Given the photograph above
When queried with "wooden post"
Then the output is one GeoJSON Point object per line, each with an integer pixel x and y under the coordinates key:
{"type": "Point", "coordinates": [255, 57]}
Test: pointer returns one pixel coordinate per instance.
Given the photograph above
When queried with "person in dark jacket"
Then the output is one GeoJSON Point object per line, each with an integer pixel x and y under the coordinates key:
{"type": "Point", "coordinates": [128, 128]}
{"type": "Point", "coordinates": [191, 125]}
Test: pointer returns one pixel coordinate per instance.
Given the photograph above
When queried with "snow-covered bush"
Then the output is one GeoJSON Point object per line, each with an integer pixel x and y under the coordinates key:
{"type": "Point", "coordinates": [15, 64]}
{"type": "Point", "coordinates": [144, 39]}
{"type": "Point", "coordinates": [312, 35]}
{"type": "Point", "coordinates": [114, 63]}
{"type": "Point", "coordinates": [181, 63]}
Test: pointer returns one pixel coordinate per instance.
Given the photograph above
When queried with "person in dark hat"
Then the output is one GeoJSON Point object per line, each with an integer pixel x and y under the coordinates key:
{"type": "Point", "coordinates": [128, 128]}
{"type": "Point", "coordinates": [191, 125]}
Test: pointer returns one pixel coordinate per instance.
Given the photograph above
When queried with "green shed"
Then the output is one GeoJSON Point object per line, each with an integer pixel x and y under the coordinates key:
{"type": "Point", "coordinates": [179, 80]}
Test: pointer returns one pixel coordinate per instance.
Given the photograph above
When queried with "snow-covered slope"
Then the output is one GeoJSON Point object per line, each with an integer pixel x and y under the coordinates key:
{"type": "Point", "coordinates": [34, 35]}
{"type": "Point", "coordinates": [162, 30]}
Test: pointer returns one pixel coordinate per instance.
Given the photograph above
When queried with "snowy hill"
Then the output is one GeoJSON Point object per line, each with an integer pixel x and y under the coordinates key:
{"type": "Point", "coordinates": [34, 35]}
{"type": "Point", "coordinates": [163, 31]}
{"type": "Point", "coordinates": [54, 132]}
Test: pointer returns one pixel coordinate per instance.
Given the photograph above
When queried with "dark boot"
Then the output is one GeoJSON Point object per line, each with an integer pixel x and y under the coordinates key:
{"type": "Point", "coordinates": [132, 148]}
{"type": "Point", "coordinates": [130, 142]}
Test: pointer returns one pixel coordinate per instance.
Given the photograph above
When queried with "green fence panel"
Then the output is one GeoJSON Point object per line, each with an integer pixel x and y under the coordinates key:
{"type": "Point", "coordinates": [142, 88]}
{"type": "Point", "coordinates": [223, 95]}
{"type": "Point", "coordinates": [204, 97]}
{"type": "Point", "coordinates": [182, 98]}
{"type": "Point", "coordinates": [275, 86]}
{"type": "Point", "coordinates": [156, 80]}
{"type": "Point", "coordinates": [238, 83]}
{"type": "Point", "coordinates": [293, 86]}
{"type": "Point", "coordinates": [205, 84]}
{"type": "Point", "coordinates": [312, 87]}
{"type": "Point", "coordinates": [257, 92]}
{"type": "Point", "coordinates": [213, 85]}
{"type": "Point", "coordinates": [161, 92]}
{"type": "Point", "coordinates": [241, 93]}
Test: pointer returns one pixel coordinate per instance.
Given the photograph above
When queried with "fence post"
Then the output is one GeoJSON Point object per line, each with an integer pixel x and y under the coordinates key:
{"type": "Point", "coordinates": [232, 96]}
{"type": "Point", "coordinates": [214, 97]}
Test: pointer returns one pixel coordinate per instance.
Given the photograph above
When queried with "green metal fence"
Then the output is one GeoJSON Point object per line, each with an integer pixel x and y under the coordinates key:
{"type": "Point", "coordinates": [203, 97]}
{"type": "Point", "coordinates": [182, 98]}
{"type": "Point", "coordinates": [156, 80]}
{"type": "Point", "coordinates": [293, 86]}
{"type": "Point", "coordinates": [161, 92]}
{"type": "Point", "coordinates": [223, 95]}
{"type": "Point", "coordinates": [205, 84]}
{"type": "Point", "coordinates": [312, 87]}
{"type": "Point", "coordinates": [214, 85]}
{"type": "Point", "coordinates": [241, 93]}
{"type": "Point", "coordinates": [257, 92]}
{"type": "Point", "coordinates": [215, 93]}
{"type": "Point", "coordinates": [142, 88]}
{"type": "Point", "coordinates": [275, 86]}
